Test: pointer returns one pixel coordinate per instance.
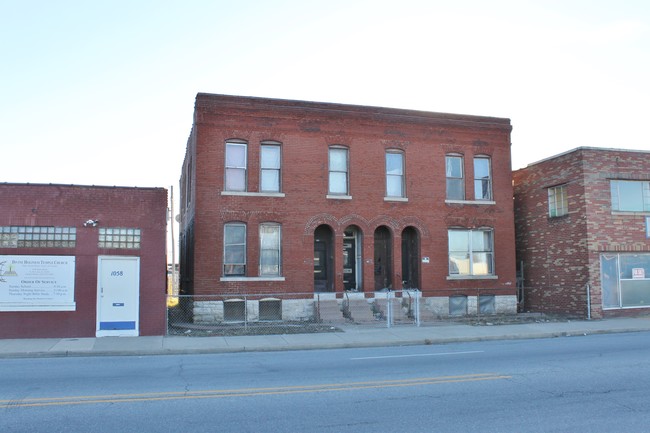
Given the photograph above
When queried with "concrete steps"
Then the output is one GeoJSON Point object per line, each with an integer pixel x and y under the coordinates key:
{"type": "Point", "coordinates": [330, 311]}
{"type": "Point", "coordinates": [361, 311]}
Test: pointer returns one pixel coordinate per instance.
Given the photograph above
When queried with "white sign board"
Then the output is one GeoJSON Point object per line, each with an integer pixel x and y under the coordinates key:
{"type": "Point", "coordinates": [638, 273]}
{"type": "Point", "coordinates": [37, 283]}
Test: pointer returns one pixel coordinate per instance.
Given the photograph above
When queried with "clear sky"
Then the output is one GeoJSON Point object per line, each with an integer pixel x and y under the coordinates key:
{"type": "Point", "coordinates": [102, 92]}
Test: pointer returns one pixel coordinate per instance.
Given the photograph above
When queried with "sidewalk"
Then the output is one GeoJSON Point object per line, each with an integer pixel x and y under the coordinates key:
{"type": "Point", "coordinates": [352, 336]}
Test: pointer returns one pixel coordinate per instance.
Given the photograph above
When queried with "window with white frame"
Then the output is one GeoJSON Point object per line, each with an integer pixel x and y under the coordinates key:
{"type": "Point", "coordinates": [471, 252]}
{"type": "Point", "coordinates": [338, 171]}
{"type": "Point", "coordinates": [234, 249]}
{"type": "Point", "coordinates": [395, 174]}
{"type": "Point", "coordinates": [270, 254]}
{"type": "Point", "coordinates": [236, 162]}
{"type": "Point", "coordinates": [270, 164]}
{"type": "Point", "coordinates": [630, 195]}
{"type": "Point", "coordinates": [455, 178]}
{"type": "Point", "coordinates": [482, 178]}
{"type": "Point", "coordinates": [558, 204]}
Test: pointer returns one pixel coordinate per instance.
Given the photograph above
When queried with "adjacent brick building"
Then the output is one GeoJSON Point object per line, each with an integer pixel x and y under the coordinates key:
{"type": "Point", "coordinates": [582, 227]}
{"type": "Point", "coordinates": [82, 261]}
{"type": "Point", "coordinates": [300, 197]}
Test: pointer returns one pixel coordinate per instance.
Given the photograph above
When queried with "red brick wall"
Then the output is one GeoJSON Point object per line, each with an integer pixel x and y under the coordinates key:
{"type": "Point", "coordinates": [71, 206]}
{"type": "Point", "coordinates": [306, 130]}
{"type": "Point", "coordinates": [562, 255]}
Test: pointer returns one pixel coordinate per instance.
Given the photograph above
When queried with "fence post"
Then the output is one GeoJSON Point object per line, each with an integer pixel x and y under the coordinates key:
{"type": "Point", "coordinates": [245, 313]}
{"type": "Point", "coordinates": [417, 309]}
{"type": "Point", "coordinates": [389, 310]}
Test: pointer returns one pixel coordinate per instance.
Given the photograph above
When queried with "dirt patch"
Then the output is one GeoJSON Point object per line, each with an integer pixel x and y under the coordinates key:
{"type": "Point", "coordinates": [256, 328]}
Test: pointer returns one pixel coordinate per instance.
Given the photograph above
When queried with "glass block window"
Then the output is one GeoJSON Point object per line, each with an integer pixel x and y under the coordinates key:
{"type": "Point", "coordinates": [117, 237]}
{"type": "Point", "coordinates": [37, 237]}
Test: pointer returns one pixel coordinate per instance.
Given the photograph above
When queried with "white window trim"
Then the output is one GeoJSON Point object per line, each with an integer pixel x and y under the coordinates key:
{"type": "Point", "coordinates": [401, 176]}
{"type": "Point", "coordinates": [399, 199]}
{"type": "Point", "coordinates": [279, 170]}
{"type": "Point", "coordinates": [253, 194]}
{"type": "Point", "coordinates": [245, 167]}
{"type": "Point", "coordinates": [251, 279]}
{"type": "Point", "coordinates": [279, 250]}
{"type": "Point", "coordinates": [479, 202]}
{"type": "Point", "coordinates": [338, 197]}
{"type": "Point", "coordinates": [489, 179]}
{"type": "Point", "coordinates": [462, 175]}
{"type": "Point", "coordinates": [563, 188]}
{"type": "Point", "coordinates": [347, 170]}
{"type": "Point", "coordinates": [223, 247]}
{"type": "Point", "coordinates": [470, 252]}
{"type": "Point", "coordinates": [472, 277]}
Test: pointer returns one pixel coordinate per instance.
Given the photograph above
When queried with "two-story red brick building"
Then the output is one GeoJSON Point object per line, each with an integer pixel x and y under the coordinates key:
{"type": "Point", "coordinates": [282, 196]}
{"type": "Point", "coordinates": [82, 261]}
{"type": "Point", "coordinates": [582, 223]}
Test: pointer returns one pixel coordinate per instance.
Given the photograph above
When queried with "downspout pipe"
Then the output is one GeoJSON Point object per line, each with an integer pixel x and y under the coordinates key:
{"type": "Point", "coordinates": [588, 302]}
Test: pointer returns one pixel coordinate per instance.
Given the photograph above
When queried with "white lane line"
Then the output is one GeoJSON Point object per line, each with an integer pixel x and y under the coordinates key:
{"type": "Point", "coordinates": [416, 355]}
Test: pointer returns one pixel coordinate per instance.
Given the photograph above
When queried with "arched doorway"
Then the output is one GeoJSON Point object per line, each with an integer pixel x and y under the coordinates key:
{"type": "Point", "coordinates": [353, 259]}
{"type": "Point", "coordinates": [410, 258]}
{"type": "Point", "coordinates": [383, 258]}
{"type": "Point", "coordinates": [323, 259]}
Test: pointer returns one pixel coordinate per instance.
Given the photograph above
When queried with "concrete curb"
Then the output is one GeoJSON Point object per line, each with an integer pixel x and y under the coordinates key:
{"type": "Point", "coordinates": [356, 341]}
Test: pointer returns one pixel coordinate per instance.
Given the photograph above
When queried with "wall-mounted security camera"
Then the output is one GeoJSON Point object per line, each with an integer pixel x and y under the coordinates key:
{"type": "Point", "coordinates": [91, 223]}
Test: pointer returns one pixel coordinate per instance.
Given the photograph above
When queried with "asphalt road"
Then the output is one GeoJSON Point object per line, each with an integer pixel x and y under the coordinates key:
{"type": "Point", "coordinates": [594, 383]}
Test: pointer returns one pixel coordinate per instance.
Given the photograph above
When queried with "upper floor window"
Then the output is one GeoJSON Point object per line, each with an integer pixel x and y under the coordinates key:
{"type": "Point", "coordinates": [630, 195]}
{"type": "Point", "coordinates": [338, 171]}
{"type": "Point", "coordinates": [558, 204]}
{"type": "Point", "coordinates": [471, 252]}
{"type": "Point", "coordinates": [270, 249]}
{"type": "Point", "coordinates": [395, 174]}
{"type": "Point", "coordinates": [234, 249]}
{"type": "Point", "coordinates": [235, 166]}
{"type": "Point", "coordinates": [119, 237]}
{"type": "Point", "coordinates": [455, 178]}
{"type": "Point", "coordinates": [482, 178]}
{"type": "Point", "coordinates": [270, 163]}
{"type": "Point", "coordinates": [37, 237]}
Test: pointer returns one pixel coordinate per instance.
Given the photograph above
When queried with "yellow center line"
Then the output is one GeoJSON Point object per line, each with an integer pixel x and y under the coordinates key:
{"type": "Point", "coordinates": [244, 392]}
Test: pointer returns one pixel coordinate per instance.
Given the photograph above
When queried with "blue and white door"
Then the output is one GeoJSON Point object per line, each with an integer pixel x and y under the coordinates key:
{"type": "Point", "coordinates": [118, 296]}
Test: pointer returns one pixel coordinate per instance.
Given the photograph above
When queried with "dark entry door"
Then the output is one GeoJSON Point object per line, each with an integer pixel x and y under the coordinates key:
{"type": "Point", "coordinates": [410, 259]}
{"type": "Point", "coordinates": [349, 263]}
{"type": "Point", "coordinates": [323, 260]}
{"type": "Point", "coordinates": [383, 259]}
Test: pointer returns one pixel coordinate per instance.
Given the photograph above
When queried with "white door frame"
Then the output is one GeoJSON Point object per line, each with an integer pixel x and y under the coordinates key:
{"type": "Point", "coordinates": [130, 300]}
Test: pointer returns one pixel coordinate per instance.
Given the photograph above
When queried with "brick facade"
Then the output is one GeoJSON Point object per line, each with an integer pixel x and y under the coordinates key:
{"type": "Point", "coordinates": [561, 255]}
{"type": "Point", "coordinates": [305, 131]}
{"type": "Point", "coordinates": [33, 205]}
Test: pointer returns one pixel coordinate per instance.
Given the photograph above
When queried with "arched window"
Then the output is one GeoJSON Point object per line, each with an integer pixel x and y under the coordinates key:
{"type": "Point", "coordinates": [482, 178]}
{"type": "Point", "coordinates": [339, 182]}
{"type": "Point", "coordinates": [236, 163]}
{"type": "Point", "coordinates": [395, 185]}
{"type": "Point", "coordinates": [234, 249]}
{"type": "Point", "coordinates": [270, 253]}
{"type": "Point", "coordinates": [455, 177]}
{"type": "Point", "coordinates": [270, 167]}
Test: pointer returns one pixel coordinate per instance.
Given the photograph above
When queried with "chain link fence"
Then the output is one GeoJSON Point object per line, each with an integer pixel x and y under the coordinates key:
{"type": "Point", "coordinates": [285, 313]}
